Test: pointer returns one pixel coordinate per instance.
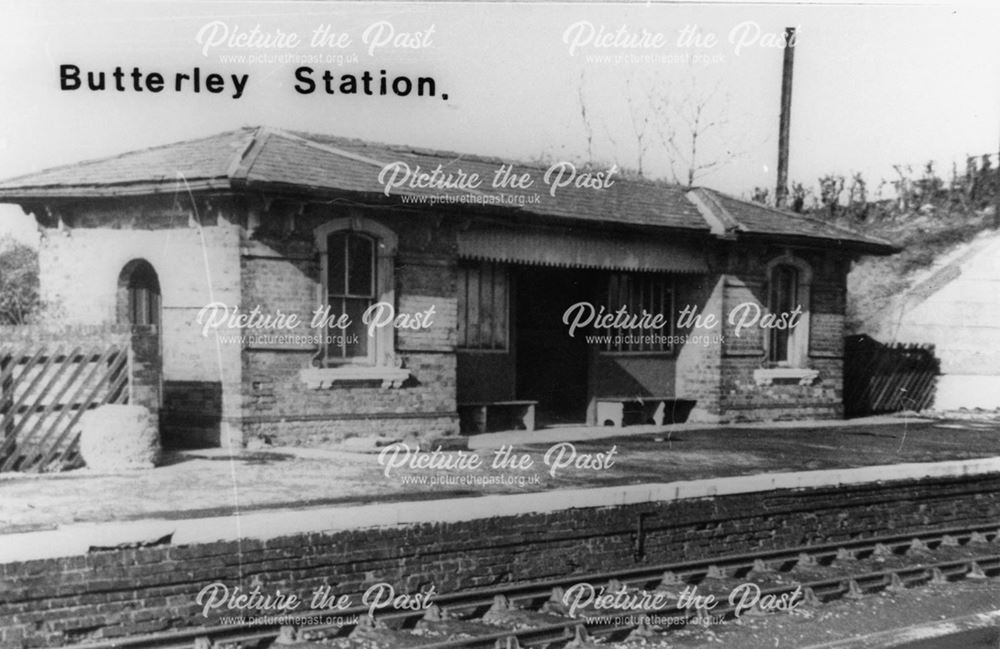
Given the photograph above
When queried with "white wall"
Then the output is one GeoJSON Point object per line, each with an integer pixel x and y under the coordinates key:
{"type": "Point", "coordinates": [962, 320]}
{"type": "Point", "coordinates": [79, 272]}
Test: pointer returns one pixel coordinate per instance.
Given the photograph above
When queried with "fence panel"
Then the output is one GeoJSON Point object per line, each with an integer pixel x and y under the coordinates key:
{"type": "Point", "coordinates": [881, 378]}
{"type": "Point", "coordinates": [44, 390]}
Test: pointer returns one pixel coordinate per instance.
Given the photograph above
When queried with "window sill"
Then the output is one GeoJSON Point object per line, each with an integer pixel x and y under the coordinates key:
{"type": "Point", "coordinates": [326, 377]}
{"type": "Point", "coordinates": [785, 375]}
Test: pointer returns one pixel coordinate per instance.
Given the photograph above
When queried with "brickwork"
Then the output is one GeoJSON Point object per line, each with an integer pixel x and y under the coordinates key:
{"type": "Point", "coordinates": [147, 368]}
{"type": "Point", "coordinates": [699, 366]}
{"type": "Point", "coordinates": [721, 377]}
{"type": "Point", "coordinates": [218, 388]}
{"type": "Point", "coordinates": [80, 265]}
{"type": "Point", "coordinates": [743, 397]}
{"type": "Point", "coordinates": [192, 414]}
{"type": "Point", "coordinates": [54, 333]}
{"type": "Point", "coordinates": [114, 593]}
{"type": "Point", "coordinates": [279, 402]}
{"type": "Point", "coordinates": [282, 271]}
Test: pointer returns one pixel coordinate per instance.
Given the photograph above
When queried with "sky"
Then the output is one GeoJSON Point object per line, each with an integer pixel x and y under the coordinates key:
{"type": "Point", "coordinates": [874, 85]}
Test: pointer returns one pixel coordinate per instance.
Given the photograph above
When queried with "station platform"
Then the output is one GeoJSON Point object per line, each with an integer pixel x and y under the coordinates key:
{"type": "Point", "coordinates": [217, 495]}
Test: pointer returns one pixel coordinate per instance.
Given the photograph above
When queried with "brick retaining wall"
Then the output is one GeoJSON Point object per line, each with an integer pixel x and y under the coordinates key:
{"type": "Point", "coordinates": [130, 591]}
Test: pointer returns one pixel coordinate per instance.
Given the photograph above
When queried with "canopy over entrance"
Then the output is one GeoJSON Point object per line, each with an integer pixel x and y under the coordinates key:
{"type": "Point", "coordinates": [581, 250]}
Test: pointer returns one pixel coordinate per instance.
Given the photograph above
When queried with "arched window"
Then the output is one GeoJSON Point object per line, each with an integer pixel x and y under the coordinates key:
{"type": "Point", "coordinates": [357, 259]}
{"type": "Point", "coordinates": [788, 283]}
{"type": "Point", "coordinates": [139, 294]}
{"type": "Point", "coordinates": [350, 289]}
{"type": "Point", "coordinates": [782, 298]}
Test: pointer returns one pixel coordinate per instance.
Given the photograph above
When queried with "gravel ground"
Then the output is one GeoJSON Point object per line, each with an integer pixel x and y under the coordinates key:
{"type": "Point", "coordinates": [843, 619]}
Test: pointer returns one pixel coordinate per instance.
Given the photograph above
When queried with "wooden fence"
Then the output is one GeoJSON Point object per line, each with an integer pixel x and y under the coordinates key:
{"type": "Point", "coordinates": [881, 378]}
{"type": "Point", "coordinates": [44, 390]}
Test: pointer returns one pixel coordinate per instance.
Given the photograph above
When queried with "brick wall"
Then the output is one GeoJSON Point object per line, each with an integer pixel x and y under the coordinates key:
{"type": "Point", "coordinates": [113, 593]}
{"type": "Point", "coordinates": [699, 366]}
{"type": "Point", "coordinates": [742, 397]}
{"type": "Point", "coordinates": [264, 256]}
{"type": "Point", "coordinates": [147, 368]}
{"type": "Point", "coordinates": [721, 377]}
{"type": "Point", "coordinates": [80, 266]}
{"type": "Point", "coordinates": [281, 271]}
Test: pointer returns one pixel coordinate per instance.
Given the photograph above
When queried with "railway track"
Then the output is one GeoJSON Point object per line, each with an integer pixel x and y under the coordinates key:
{"type": "Point", "coordinates": [538, 614]}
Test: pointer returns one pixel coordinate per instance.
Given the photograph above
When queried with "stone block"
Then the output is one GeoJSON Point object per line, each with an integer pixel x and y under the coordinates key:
{"type": "Point", "coordinates": [117, 438]}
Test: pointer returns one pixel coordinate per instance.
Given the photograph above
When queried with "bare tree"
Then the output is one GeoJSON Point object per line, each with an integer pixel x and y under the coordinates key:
{"type": "Point", "coordinates": [641, 118]}
{"type": "Point", "coordinates": [696, 117]}
{"type": "Point", "coordinates": [676, 125]}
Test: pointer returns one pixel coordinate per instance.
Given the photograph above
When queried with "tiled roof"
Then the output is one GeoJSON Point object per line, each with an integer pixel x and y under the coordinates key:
{"type": "Point", "coordinates": [196, 160]}
{"type": "Point", "coordinates": [757, 219]}
{"type": "Point", "coordinates": [264, 158]}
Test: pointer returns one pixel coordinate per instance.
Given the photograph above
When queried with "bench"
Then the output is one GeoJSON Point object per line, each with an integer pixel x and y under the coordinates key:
{"type": "Point", "coordinates": [482, 416]}
{"type": "Point", "coordinates": [614, 410]}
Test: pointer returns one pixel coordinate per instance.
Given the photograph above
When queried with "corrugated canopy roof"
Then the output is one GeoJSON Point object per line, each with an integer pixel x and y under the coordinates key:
{"type": "Point", "coordinates": [262, 158]}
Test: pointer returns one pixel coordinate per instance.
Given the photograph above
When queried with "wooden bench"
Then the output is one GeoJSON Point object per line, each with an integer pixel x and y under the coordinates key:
{"type": "Point", "coordinates": [482, 416]}
{"type": "Point", "coordinates": [614, 410]}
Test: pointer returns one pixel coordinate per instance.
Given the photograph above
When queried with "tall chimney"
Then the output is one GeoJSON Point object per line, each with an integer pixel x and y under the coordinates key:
{"type": "Point", "coordinates": [781, 191]}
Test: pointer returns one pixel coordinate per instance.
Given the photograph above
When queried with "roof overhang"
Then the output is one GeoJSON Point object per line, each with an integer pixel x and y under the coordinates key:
{"type": "Point", "coordinates": [317, 167]}
{"type": "Point", "coordinates": [871, 246]}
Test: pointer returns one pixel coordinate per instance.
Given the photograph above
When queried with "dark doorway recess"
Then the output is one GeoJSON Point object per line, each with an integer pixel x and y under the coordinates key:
{"type": "Point", "coordinates": [552, 367]}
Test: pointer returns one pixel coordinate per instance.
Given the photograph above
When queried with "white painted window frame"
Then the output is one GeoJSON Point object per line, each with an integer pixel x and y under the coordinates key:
{"type": "Point", "coordinates": [381, 363]}
{"type": "Point", "coordinates": [797, 366]}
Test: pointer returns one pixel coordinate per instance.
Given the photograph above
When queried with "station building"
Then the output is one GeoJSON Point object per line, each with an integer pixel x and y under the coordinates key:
{"type": "Point", "coordinates": [469, 290]}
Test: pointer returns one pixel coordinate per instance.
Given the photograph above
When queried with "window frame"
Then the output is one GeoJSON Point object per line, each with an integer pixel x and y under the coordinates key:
{"type": "Point", "coordinates": [670, 289]}
{"type": "Point", "coordinates": [139, 294]}
{"type": "Point", "coordinates": [798, 337]}
{"type": "Point", "coordinates": [381, 346]}
{"type": "Point", "coordinates": [346, 296]}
